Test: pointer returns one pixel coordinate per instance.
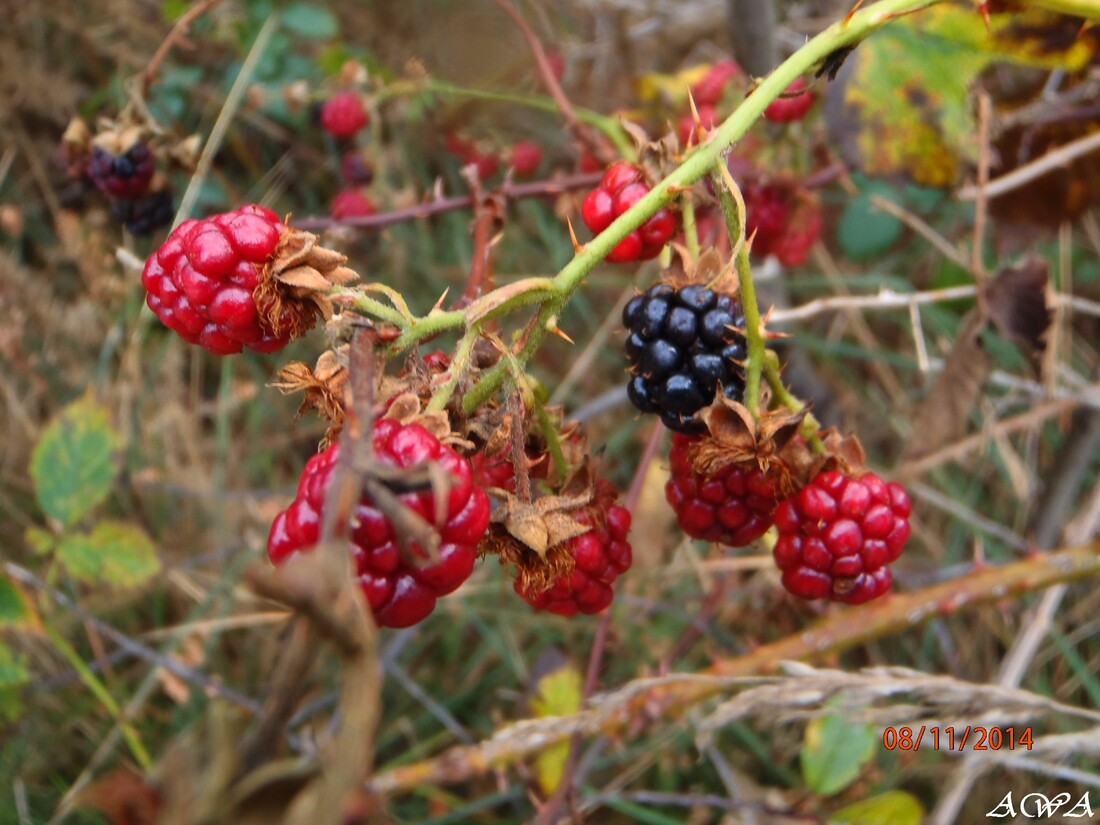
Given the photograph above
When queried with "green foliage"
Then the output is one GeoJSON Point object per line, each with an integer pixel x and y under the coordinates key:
{"type": "Point", "coordinates": [834, 752]}
{"type": "Point", "coordinates": [113, 552]}
{"type": "Point", "coordinates": [14, 608]}
{"type": "Point", "coordinates": [75, 461]}
{"type": "Point", "coordinates": [558, 694]}
{"type": "Point", "coordinates": [909, 90]}
{"type": "Point", "coordinates": [13, 675]}
{"type": "Point", "coordinates": [891, 808]}
{"type": "Point", "coordinates": [309, 20]}
{"type": "Point", "coordinates": [865, 231]}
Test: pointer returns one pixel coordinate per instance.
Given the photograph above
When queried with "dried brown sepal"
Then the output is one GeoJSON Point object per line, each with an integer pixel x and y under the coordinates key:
{"type": "Point", "coordinates": [843, 453]}
{"type": "Point", "coordinates": [118, 139]}
{"type": "Point", "coordinates": [408, 409]}
{"type": "Point", "coordinates": [735, 437]}
{"type": "Point", "coordinates": [535, 574]}
{"type": "Point", "coordinates": [292, 291]}
{"type": "Point", "coordinates": [324, 387]}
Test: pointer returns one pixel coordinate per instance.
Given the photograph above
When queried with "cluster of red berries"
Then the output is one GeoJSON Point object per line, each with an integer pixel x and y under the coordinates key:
{"type": "Point", "coordinates": [622, 186]}
{"type": "Point", "coordinates": [202, 279]}
{"type": "Point", "coordinates": [400, 579]}
{"type": "Point", "coordinates": [600, 556]}
{"type": "Point", "coordinates": [782, 220]}
{"type": "Point", "coordinates": [836, 535]}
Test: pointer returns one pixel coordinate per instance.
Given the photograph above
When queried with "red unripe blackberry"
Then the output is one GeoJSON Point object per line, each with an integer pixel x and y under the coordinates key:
{"type": "Point", "coordinates": [682, 344]}
{"type": "Point", "coordinates": [202, 279]}
{"type": "Point", "coordinates": [838, 534]}
{"type": "Point", "coordinates": [343, 115]}
{"type": "Point", "coordinates": [793, 245]}
{"type": "Point", "coordinates": [601, 555]}
{"type": "Point", "coordinates": [352, 203]}
{"type": "Point", "coordinates": [589, 163]}
{"type": "Point", "coordinates": [526, 158]}
{"type": "Point", "coordinates": [622, 186]}
{"type": "Point", "coordinates": [733, 507]}
{"type": "Point", "coordinates": [124, 176]}
{"type": "Point", "coordinates": [400, 592]}
{"type": "Point", "coordinates": [794, 107]}
{"type": "Point", "coordinates": [709, 90]}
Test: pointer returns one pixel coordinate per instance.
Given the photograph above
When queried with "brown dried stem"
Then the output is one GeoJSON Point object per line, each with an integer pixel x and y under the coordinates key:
{"type": "Point", "coordinates": [598, 147]}
{"type": "Point", "coordinates": [837, 632]}
{"type": "Point", "coordinates": [511, 191]}
{"type": "Point", "coordinates": [179, 31]}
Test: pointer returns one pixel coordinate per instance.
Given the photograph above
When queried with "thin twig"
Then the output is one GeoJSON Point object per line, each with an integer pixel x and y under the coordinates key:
{"type": "Point", "coordinates": [179, 31]}
{"type": "Point", "coordinates": [1055, 159]}
{"type": "Point", "coordinates": [981, 208]}
{"type": "Point", "coordinates": [511, 191]}
{"type": "Point", "coordinates": [597, 147]}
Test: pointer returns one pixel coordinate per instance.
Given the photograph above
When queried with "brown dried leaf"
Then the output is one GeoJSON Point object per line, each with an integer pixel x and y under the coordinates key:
{"type": "Point", "coordinates": [1016, 302]}
{"type": "Point", "coordinates": [944, 413]}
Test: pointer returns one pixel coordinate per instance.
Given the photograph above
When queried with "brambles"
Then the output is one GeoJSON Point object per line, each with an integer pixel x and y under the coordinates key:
{"type": "Point", "coordinates": [838, 534]}
{"type": "Point", "coordinates": [731, 506]}
{"type": "Point", "coordinates": [793, 106]}
{"type": "Point", "coordinates": [398, 575]}
{"type": "Point", "coordinates": [623, 186]}
{"type": "Point", "coordinates": [683, 345]}
{"type": "Point", "coordinates": [220, 282]}
{"type": "Point", "coordinates": [343, 115]}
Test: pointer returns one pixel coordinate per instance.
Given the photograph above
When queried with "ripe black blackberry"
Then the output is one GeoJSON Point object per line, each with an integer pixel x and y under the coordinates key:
{"type": "Point", "coordinates": [145, 215]}
{"type": "Point", "coordinates": [682, 344]}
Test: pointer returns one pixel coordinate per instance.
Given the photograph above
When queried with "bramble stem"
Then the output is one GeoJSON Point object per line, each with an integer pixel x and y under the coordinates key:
{"type": "Point", "coordinates": [810, 425]}
{"type": "Point", "coordinates": [691, 230]}
{"type": "Point", "coordinates": [734, 209]}
{"type": "Point", "coordinates": [838, 631]}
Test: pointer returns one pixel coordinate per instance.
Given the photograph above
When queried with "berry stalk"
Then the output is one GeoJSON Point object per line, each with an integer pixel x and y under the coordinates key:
{"type": "Point", "coordinates": [734, 209]}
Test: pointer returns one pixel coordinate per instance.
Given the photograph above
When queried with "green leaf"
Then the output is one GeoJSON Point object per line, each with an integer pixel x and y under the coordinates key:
{"type": "Point", "coordinates": [834, 751]}
{"type": "Point", "coordinates": [865, 231]}
{"type": "Point", "coordinates": [15, 609]}
{"type": "Point", "coordinates": [173, 10]}
{"type": "Point", "coordinates": [113, 553]}
{"type": "Point", "coordinates": [906, 95]}
{"type": "Point", "coordinates": [40, 541]}
{"type": "Point", "coordinates": [891, 808]}
{"type": "Point", "coordinates": [75, 461]}
{"type": "Point", "coordinates": [311, 21]}
{"type": "Point", "coordinates": [558, 693]}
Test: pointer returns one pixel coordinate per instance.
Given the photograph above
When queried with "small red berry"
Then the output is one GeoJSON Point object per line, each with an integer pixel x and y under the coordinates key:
{"type": "Point", "coordinates": [352, 203]}
{"type": "Point", "coordinates": [400, 592]}
{"type": "Point", "coordinates": [201, 280]}
{"type": "Point", "coordinates": [589, 163]}
{"type": "Point", "coordinates": [709, 90]}
{"type": "Point", "coordinates": [838, 534]}
{"type": "Point", "coordinates": [526, 158]}
{"type": "Point", "coordinates": [733, 507]}
{"type": "Point", "coordinates": [621, 188]}
{"type": "Point", "coordinates": [601, 556]}
{"type": "Point", "coordinates": [793, 107]}
{"type": "Point", "coordinates": [343, 115]}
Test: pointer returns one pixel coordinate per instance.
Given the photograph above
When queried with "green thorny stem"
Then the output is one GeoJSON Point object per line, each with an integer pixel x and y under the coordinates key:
{"type": "Point", "coordinates": [733, 206]}
{"type": "Point", "coordinates": [552, 294]}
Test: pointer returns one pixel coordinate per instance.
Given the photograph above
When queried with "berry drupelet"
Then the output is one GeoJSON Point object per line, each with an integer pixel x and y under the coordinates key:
{"type": "Point", "coordinates": [682, 345]}
{"type": "Point", "coordinates": [401, 588]}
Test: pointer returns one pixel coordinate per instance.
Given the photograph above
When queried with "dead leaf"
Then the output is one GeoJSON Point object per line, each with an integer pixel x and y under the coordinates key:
{"type": "Point", "coordinates": [1016, 302]}
{"type": "Point", "coordinates": [123, 796]}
